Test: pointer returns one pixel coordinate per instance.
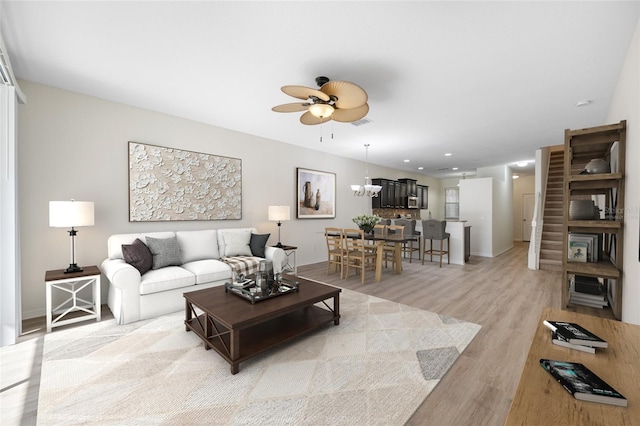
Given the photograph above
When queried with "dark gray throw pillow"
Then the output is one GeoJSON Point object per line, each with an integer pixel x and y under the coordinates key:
{"type": "Point", "coordinates": [165, 251]}
{"type": "Point", "coordinates": [138, 255]}
{"type": "Point", "coordinates": [258, 243]}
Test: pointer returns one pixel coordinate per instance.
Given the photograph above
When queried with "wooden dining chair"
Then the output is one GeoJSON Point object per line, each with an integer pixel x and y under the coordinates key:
{"type": "Point", "coordinates": [389, 249]}
{"type": "Point", "coordinates": [335, 249]}
{"type": "Point", "coordinates": [359, 254]}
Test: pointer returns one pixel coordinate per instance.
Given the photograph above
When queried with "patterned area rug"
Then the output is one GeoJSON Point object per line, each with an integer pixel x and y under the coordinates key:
{"type": "Point", "coordinates": [375, 368]}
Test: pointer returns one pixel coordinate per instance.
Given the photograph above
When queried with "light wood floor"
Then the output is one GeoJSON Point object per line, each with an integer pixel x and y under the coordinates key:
{"type": "Point", "coordinates": [499, 293]}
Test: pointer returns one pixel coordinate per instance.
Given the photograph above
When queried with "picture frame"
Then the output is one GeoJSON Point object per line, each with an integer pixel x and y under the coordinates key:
{"type": "Point", "coordinates": [169, 184]}
{"type": "Point", "coordinates": [315, 194]}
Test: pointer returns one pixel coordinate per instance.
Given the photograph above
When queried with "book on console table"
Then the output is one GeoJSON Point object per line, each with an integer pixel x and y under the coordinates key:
{"type": "Point", "coordinates": [558, 339]}
{"type": "Point", "coordinates": [575, 334]}
{"type": "Point", "coordinates": [583, 383]}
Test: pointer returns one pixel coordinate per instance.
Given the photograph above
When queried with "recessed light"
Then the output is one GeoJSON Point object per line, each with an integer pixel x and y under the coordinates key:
{"type": "Point", "coordinates": [448, 154]}
{"type": "Point", "coordinates": [420, 168]}
{"type": "Point", "coordinates": [516, 176]}
{"type": "Point", "coordinates": [406, 161]}
{"type": "Point", "coordinates": [583, 103]}
{"type": "Point", "coordinates": [522, 163]}
{"type": "Point", "coordinates": [454, 168]}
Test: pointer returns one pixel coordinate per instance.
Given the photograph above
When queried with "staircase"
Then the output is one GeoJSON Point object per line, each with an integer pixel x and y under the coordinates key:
{"type": "Point", "coordinates": [551, 243]}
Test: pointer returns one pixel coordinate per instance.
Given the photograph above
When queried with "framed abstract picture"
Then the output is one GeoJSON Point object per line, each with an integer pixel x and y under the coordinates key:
{"type": "Point", "coordinates": [316, 194]}
{"type": "Point", "coordinates": [167, 184]}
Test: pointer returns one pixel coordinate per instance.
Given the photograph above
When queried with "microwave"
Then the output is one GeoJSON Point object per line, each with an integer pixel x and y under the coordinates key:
{"type": "Point", "coordinates": [412, 202]}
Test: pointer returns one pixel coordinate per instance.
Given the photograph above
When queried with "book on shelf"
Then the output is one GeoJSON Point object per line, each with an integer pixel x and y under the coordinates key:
{"type": "Point", "coordinates": [578, 251]}
{"type": "Point", "coordinates": [557, 339]}
{"type": "Point", "coordinates": [583, 383]}
{"type": "Point", "coordinates": [585, 246]}
{"type": "Point", "coordinates": [575, 334]}
{"type": "Point", "coordinates": [590, 285]}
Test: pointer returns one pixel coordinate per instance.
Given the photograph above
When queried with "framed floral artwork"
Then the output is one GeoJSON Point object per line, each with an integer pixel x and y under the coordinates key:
{"type": "Point", "coordinates": [316, 194]}
{"type": "Point", "coordinates": [167, 184]}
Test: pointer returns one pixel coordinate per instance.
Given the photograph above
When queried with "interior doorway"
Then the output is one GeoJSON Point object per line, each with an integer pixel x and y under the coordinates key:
{"type": "Point", "coordinates": [528, 205]}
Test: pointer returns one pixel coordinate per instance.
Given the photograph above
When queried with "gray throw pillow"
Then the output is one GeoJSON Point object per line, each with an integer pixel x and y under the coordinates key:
{"type": "Point", "coordinates": [258, 243]}
{"type": "Point", "coordinates": [138, 255]}
{"type": "Point", "coordinates": [165, 251]}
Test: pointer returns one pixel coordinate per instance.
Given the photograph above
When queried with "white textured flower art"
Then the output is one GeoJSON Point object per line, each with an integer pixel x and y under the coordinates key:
{"type": "Point", "coordinates": [170, 184]}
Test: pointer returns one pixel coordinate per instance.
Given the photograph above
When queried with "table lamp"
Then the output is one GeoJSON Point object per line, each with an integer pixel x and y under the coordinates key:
{"type": "Point", "coordinates": [279, 213]}
{"type": "Point", "coordinates": [65, 214]}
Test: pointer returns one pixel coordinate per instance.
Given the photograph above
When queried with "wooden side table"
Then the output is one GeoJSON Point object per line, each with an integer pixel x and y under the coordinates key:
{"type": "Point", "coordinates": [290, 264]}
{"type": "Point", "coordinates": [72, 284]}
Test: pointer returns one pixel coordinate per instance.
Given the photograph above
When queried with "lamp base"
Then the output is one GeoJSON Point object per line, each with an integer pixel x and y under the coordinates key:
{"type": "Point", "coordinates": [279, 245]}
{"type": "Point", "coordinates": [73, 267]}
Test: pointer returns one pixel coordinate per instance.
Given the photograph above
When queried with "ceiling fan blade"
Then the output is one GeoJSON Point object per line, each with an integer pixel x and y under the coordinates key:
{"type": "Point", "coordinates": [310, 119]}
{"type": "Point", "coordinates": [349, 95]}
{"type": "Point", "coordinates": [302, 92]}
{"type": "Point", "coordinates": [294, 107]}
{"type": "Point", "coordinates": [350, 115]}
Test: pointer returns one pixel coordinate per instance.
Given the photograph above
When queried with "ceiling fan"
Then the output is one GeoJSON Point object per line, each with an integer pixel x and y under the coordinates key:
{"type": "Point", "coordinates": [341, 101]}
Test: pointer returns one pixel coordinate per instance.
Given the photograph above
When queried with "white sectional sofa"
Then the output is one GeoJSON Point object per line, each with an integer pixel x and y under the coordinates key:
{"type": "Point", "coordinates": [180, 262]}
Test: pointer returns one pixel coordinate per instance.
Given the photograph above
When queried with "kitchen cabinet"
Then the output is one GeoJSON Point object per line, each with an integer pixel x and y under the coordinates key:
{"type": "Point", "coordinates": [423, 196]}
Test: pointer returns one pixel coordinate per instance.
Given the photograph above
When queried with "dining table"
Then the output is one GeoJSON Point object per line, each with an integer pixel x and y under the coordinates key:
{"type": "Point", "coordinates": [380, 240]}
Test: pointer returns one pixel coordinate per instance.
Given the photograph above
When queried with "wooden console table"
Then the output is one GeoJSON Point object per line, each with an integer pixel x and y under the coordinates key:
{"type": "Point", "coordinates": [539, 399]}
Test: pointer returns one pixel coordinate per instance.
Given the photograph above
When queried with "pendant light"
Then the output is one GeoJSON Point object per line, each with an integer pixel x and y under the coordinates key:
{"type": "Point", "coordinates": [367, 189]}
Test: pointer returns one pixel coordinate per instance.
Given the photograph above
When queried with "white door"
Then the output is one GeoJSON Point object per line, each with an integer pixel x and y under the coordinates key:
{"type": "Point", "coordinates": [528, 205]}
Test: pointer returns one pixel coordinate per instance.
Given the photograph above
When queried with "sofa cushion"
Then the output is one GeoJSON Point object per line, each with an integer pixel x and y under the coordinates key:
{"type": "Point", "coordinates": [138, 255]}
{"type": "Point", "coordinates": [208, 270]}
{"type": "Point", "coordinates": [237, 243]}
{"type": "Point", "coordinates": [222, 232]}
{"type": "Point", "coordinates": [115, 242]}
{"type": "Point", "coordinates": [198, 245]}
{"type": "Point", "coordinates": [257, 244]}
{"type": "Point", "coordinates": [166, 252]}
{"type": "Point", "coordinates": [167, 278]}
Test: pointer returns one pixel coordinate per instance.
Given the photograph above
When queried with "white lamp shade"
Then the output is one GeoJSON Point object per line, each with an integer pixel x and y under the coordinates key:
{"type": "Point", "coordinates": [279, 213]}
{"type": "Point", "coordinates": [67, 214]}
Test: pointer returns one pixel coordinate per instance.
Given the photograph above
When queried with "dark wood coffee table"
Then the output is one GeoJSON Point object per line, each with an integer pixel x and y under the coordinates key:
{"type": "Point", "coordinates": [238, 330]}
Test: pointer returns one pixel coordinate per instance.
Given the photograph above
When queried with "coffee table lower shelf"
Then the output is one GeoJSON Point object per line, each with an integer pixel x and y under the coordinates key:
{"type": "Point", "coordinates": [238, 345]}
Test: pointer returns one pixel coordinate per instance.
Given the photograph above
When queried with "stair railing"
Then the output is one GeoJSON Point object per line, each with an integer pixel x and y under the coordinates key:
{"type": "Point", "coordinates": [543, 156]}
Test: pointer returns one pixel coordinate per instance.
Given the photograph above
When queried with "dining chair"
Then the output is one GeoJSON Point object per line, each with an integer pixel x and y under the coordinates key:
{"type": "Point", "coordinates": [335, 249]}
{"type": "Point", "coordinates": [433, 229]}
{"type": "Point", "coordinates": [359, 255]}
{"type": "Point", "coordinates": [389, 249]}
{"type": "Point", "coordinates": [409, 229]}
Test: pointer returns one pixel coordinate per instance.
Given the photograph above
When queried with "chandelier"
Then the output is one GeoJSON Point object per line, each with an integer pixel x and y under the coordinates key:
{"type": "Point", "coordinates": [367, 189]}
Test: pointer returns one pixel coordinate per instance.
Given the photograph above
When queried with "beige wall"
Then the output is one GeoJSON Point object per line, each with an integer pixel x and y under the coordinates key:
{"type": "Point", "coordinates": [625, 105]}
{"type": "Point", "coordinates": [75, 146]}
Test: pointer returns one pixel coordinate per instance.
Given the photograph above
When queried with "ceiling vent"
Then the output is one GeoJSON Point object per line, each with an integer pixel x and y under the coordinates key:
{"type": "Point", "coordinates": [361, 122]}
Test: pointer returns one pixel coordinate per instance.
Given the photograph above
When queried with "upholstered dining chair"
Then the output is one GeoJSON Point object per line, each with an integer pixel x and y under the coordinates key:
{"type": "Point", "coordinates": [359, 254]}
{"type": "Point", "coordinates": [409, 229]}
{"type": "Point", "coordinates": [335, 249]}
{"type": "Point", "coordinates": [435, 230]}
{"type": "Point", "coordinates": [388, 249]}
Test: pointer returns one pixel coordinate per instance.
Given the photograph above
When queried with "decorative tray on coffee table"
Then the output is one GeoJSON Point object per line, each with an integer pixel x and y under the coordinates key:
{"type": "Point", "coordinates": [247, 289]}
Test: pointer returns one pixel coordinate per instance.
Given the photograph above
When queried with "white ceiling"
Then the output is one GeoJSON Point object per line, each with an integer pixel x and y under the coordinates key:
{"type": "Point", "coordinates": [489, 82]}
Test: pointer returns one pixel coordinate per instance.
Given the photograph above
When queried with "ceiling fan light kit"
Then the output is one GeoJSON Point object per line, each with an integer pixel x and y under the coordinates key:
{"type": "Point", "coordinates": [340, 101]}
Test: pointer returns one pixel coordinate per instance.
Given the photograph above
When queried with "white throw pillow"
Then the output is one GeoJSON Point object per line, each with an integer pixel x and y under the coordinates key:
{"type": "Point", "coordinates": [198, 245]}
{"type": "Point", "coordinates": [237, 244]}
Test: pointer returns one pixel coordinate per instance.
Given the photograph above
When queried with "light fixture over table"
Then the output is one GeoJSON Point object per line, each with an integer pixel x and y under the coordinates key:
{"type": "Point", "coordinates": [278, 214]}
{"type": "Point", "coordinates": [71, 214]}
{"type": "Point", "coordinates": [367, 189]}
